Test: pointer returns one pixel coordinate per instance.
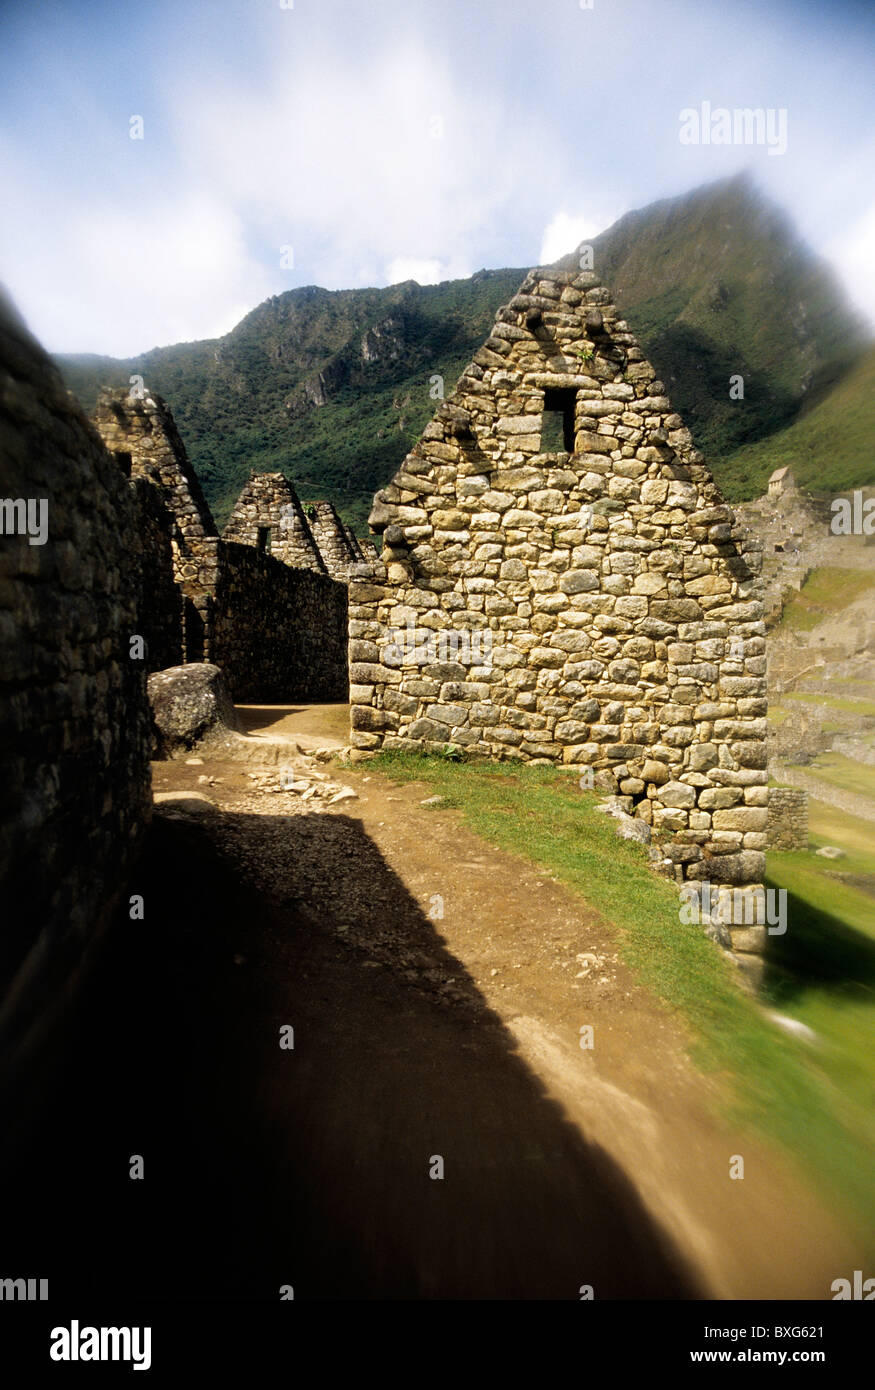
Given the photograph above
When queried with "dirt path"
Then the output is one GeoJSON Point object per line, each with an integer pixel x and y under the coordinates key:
{"type": "Point", "coordinates": [437, 988]}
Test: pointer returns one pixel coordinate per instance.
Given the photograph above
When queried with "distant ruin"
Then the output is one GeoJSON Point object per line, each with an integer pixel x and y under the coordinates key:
{"type": "Point", "coordinates": [269, 516]}
{"type": "Point", "coordinates": [260, 601]}
{"type": "Point", "coordinates": [555, 516]}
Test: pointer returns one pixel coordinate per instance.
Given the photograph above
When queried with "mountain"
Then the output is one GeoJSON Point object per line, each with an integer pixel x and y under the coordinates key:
{"type": "Point", "coordinates": [716, 284]}
{"type": "Point", "coordinates": [828, 446]}
{"type": "Point", "coordinates": [332, 387]}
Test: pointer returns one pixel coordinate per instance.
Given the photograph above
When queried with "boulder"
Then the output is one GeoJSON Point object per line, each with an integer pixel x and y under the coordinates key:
{"type": "Point", "coordinates": [629, 828]}
{"type": "Point", "coordinates": [190, 706]}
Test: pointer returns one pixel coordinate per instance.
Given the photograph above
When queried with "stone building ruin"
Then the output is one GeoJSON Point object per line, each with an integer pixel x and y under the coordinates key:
{"type": "Point", "coordinates": [333, 540]}
{"type": "Point", "coordinates": [562, 581]}
{"type": "Point", "coordinates": [259, 601]}
{"type": "Point", "coordinates": [781, 482]}
{"type": "Point", "coordinates": [269, 516]}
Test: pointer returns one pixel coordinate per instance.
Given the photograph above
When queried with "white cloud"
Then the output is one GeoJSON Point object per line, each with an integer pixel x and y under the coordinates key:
{"type": "Point", "coordinates": [425, 272]}
{"type": "Point", "coordinates": [175, 270]}
{"type": "Point", "coordinates": [373, 172]}
{"type": "Point", "coordinates": [126, 278]}
{"type": "Point", "coordinates": [366, 166]}
{"type": "Point", "coordinates": [565, 232]}
{"type": "Point", "coordinates": [853, 254]}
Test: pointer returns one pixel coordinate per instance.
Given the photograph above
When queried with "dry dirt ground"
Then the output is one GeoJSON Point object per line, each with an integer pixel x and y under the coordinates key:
{"type": "Point", "coordinates": [436, 988]}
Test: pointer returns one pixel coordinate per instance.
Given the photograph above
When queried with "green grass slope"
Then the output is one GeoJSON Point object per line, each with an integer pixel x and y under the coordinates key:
{"type": "Point", "coordinates": [814, 1097]}
{"type": "Point", "coordinates": [828, 447]}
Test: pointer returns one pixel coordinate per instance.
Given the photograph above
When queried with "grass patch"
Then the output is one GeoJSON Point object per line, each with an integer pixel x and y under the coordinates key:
{"type": "Point", "coordinates": [823, 973]}
{"type": "Point", "coordinates": [825, 592]}
{"type": "Point", "coordinates": [809, 1098]}
{"type": "Point", "coordinates": [828, 447]}
{"type": "Point", "coordinates": [844, 773]}
{"type": "Point", "coordinates": [866, 707]}
{"type": "Point", "coordinates": [828, 826]}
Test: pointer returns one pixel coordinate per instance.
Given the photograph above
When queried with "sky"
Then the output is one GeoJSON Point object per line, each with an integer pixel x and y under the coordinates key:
{"type": "Point", "coordinates": [346, 143]}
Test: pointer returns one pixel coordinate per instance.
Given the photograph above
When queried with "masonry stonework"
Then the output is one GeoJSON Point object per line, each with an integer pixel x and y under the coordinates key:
{"type": "Point", "coordinates": [74, 716]}
{"type": "Point", "coordinates": [141, 432]}
{"type": "Point", "coordinates": [258, 602]}
{"type": "Point", "coordinates": [332, 538]}
{"type": "Point", "coordinates": [159, 597]}
{"type": "Point", "coordinates": [787, 826]}
{"type": "Point", "coordinates": [268, 515]}
{"type": "Point", "coordinates": [279, 634]}
{"type": "Point", "coordinates": [562, 581]}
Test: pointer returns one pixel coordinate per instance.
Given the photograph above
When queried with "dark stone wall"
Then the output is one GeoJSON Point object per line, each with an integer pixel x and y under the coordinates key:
{"type": "Point", "coordinates": [75, 797]}
{"type": "Point", "coordinates": [279, 634]}
{"type": "Point", "coordinates": [278, 630]}
{"type": "Point", "coordinates": [159, 597]}
{"type": "Point", "coordinates": [144, 430]}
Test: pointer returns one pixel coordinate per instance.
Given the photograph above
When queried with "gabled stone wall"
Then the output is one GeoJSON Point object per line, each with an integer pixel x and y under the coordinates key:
{"type": "Point", "coordinates": [593, 603]}
{"type": "Point", "coordinates": [332, 539]}
{"type": "Point", "coordinates": [142, 430]}
{"type": "Point", "coordinates": [354, 544]}
{"type": "Point", "coordinates": [263, 608]}
{"type": "Point", "coordinates": [269, 504]}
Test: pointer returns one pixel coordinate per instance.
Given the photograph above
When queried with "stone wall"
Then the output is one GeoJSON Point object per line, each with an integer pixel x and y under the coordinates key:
{"type": "Point", "coordinates": [258, 602]}
{"type": "Point", "coordinates": [142, 433]}
{"type": "Point", "coordinates": [787, 826]}
{"type": "Point", "coordinates": [268, 515]}
{"type": "Point", "coordinates": [279, 634]}
{"type": "Point", "coordinates": [332, 539]}
{"type": "Point", "coordinates": [562, 581]}
{"type": "Point", "coordinates": [73, 712]}
{"type": "Point", "coordinates": [356, 546]}
{"type": "Point", "coordinates": [159, 597]}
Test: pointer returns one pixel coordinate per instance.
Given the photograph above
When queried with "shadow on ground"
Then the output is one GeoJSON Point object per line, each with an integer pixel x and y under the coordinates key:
{"type": "Point", "coordinates": [819, 950]}
{"type": "Point", "coordinates": [310, 1167]}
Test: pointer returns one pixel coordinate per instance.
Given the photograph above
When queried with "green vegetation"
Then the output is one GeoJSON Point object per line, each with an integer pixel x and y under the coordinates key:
{"type": "Point", "coordinates": [247, 401]}
{"type": "Point", "coordinates": [829, 446]}
{"type": "Point", "coordinates": [863, 707]}
{"type": "Point", "coordinates": [816, 1099]}
{"type": "Point", "coordinates": [828, 826]}
{"type": "Point", "coordinates": [332, 388]}
{"type": "Point", "coordinates": [777, 715]}
{"type": "Point", "coordinates": [823, 969]}
{"type": "Point", "coordinates": [844, 773]}
{"type": "Point", "coordinates": [825, 592]}
{"type": "Point", "coordinates": [709, 305]}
